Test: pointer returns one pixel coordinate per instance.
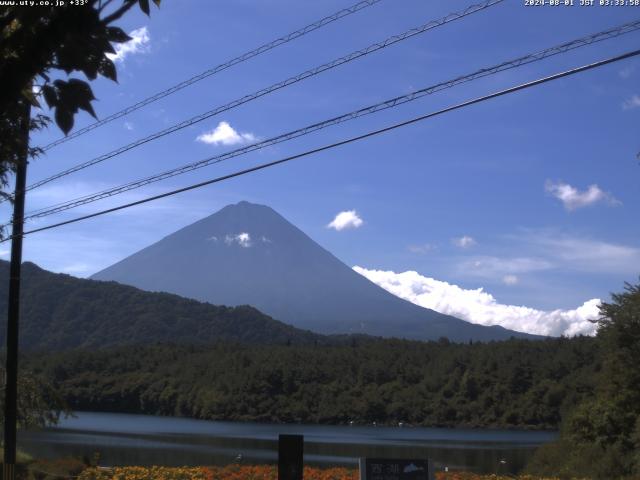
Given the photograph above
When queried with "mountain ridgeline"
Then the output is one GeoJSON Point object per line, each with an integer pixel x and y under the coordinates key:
{"type": "Point", "coordinates": [247, 254]}
{"type": "Point", "coordinates": [59, 312]}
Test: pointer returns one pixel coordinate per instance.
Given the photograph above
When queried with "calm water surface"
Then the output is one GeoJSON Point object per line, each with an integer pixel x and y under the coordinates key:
{"type": "Point", "coordinates": [149, 440]}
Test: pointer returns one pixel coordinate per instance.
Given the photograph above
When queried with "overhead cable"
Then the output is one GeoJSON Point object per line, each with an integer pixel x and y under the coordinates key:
{"type": "Point", "coordinates": [393, 102]}
{"type": "Point", "coordinates": [272, 88]}
{"type": "Point", "coordinates": [263, 166]}
{"type": "Point", "coordinates": [218, 68]}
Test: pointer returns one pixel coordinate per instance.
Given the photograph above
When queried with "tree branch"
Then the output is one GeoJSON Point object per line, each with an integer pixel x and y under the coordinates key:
{"type": "Point", "coordinates": [119, 12]}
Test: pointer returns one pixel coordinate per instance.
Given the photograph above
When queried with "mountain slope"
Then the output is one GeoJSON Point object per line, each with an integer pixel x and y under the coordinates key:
{"type": "Point", "coordinates": [249, 254]}
{"type": "Point", "coordinates": [60, 311]}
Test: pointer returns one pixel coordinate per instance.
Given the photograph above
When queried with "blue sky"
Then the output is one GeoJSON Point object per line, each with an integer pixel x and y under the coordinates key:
{"type": "Point", "coordinates": [532, 197]}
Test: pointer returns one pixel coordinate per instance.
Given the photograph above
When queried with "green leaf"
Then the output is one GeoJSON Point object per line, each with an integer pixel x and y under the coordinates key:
{"type": "Point", "coordinates": [144, 6]}
{"type": "Point", "coordinates": [64, 119]}
{"type": "Point", "coordinates": [117, 35]}
{"type": "Point", "coordinates": [108, 69]}
{"type": "Point", "coordinates": [80, 95]}
{"type": "Point", "coordinates": [29, 95]}
{"type": "Point", "coordinates": [50, 95]}
{"type": "Point", "coordinates": [107, 47]}
{"type": "Point", "coordinates": [71, 55]}
{"type": "Point", "coordinates": [87, 107]}
{"type": "Point", "coordinates": [72, 95]}
{"type": "Point", "coordinates": [92, 66]}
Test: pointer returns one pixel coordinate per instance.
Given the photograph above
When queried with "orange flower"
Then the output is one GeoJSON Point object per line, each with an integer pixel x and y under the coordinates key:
{"type": "Point", "coordinates": [256, 472]}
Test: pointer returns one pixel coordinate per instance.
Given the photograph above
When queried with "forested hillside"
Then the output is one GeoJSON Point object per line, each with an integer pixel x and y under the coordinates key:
{"type": "Point", "coordinates": [517, 383]}
{"type": "Point", "coordinates": [60, 312]}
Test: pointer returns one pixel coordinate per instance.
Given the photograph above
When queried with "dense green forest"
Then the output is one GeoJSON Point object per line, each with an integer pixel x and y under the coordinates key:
{"type": "Point", "coordinates": [61, 312]}
{"type": "Point", "coordinates": [516, 383]}
{"type": "Point", "coordinates": [600, 437]}
{"type": "Point", "coordinates": [239, 364]}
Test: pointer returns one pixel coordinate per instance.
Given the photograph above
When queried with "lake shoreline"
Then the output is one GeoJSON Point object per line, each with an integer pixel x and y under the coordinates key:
{"type": "Point", "coordinates": [494, 427]}
{"type": "Point", "coordinates": [143, 440]}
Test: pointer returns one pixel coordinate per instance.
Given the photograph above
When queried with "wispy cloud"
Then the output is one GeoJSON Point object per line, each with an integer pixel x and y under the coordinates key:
{"type": "Point", "coordinates": [546, 252]}
{"type": "Point", "coordinates": [77, 269]}
{"type": "Point", "coordinates": [139, 43]}
{"type": "Point", "coordinates": [491, 267]}
{"type": "Point", "coordinates": [626, 72]}
{"type": "Point", "coordinates": [551, 249]}
{"type": "Point", "coordinates": [52, 250]}
{"type": "Point", "coordinates": [510, 279]}
{"type": "Point", "coordinates": [631, 102]}
{"type": "Point", "coordinates": [584, 254]}
{"type": "Point", "coordinates": [345, 220]}
{"type": "Point", "coordinates": [478, 306]}
{"type": "Point", "coordinates": [422, 248]}
{"type": "Point", "coordinates": [572, 198]}
{"type": "Point", "coordinates": [464, 242]}
{"type": "Point", "coordinates": [224, 134]}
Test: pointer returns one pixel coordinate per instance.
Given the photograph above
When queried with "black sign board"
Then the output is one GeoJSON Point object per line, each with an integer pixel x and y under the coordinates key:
{"type": "Point", "coordinates": [290, 451]}
{"type": "Point", "coordinates": [395, 469]}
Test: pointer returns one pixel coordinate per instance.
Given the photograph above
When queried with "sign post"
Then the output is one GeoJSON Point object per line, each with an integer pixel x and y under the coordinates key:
{"type": "Point", "coordinates": [290, 457]}
{"type": "Point", "coordinates": [395, 469]}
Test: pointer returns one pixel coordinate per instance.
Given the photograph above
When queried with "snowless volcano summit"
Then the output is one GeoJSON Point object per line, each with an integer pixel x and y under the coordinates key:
{"type": "Point", "coordinates": [248, 254]}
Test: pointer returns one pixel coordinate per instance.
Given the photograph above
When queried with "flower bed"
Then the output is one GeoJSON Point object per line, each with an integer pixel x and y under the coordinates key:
{"type": "Point", "coordinates": [259, 472]}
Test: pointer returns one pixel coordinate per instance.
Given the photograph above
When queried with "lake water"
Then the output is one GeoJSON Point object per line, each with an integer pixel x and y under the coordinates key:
{"type": "Point", "coordinates": [149, 440]}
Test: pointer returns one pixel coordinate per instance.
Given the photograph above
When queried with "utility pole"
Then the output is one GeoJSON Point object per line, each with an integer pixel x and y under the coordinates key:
{"type": "Point", "coordinates": [13, 316]}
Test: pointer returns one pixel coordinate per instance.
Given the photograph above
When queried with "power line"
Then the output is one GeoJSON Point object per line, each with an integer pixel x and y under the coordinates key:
{"type": "Point", "coordinates": [263, 166]}
{"type": "Point", "coordinates": [507, 65]}
{"type": "Point", "coordinates": [277, 86]}
{"type": "Point", "coordinates": [219, 68]}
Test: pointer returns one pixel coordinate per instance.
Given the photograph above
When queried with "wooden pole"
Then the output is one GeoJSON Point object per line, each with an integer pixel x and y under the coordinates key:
{"type": "Point", "coordinates": [13, 315]}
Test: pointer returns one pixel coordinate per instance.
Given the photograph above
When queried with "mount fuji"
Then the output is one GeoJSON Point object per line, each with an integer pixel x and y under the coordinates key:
{"type": "Point", "coordinates": [248, 254]}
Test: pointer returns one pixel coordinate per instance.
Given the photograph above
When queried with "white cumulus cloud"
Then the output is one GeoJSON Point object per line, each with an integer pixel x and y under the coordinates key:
{"type": "Point", "coordinates": [572, 198]}
{"type": "Point", "coordinates": [346, 219]}
{"type": "Point", "coordinates": [139, 43]}
{"type": "Point", "coordinates": [243, 239]}
{"type": "Point", "coordinates": [224, 134]}
{"type": "Point", "coordinates": [464, 242]}
{"type": "Point", "coordinates": [478, 306]}
{"type": "Point", "coordinates": [631, 102]}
